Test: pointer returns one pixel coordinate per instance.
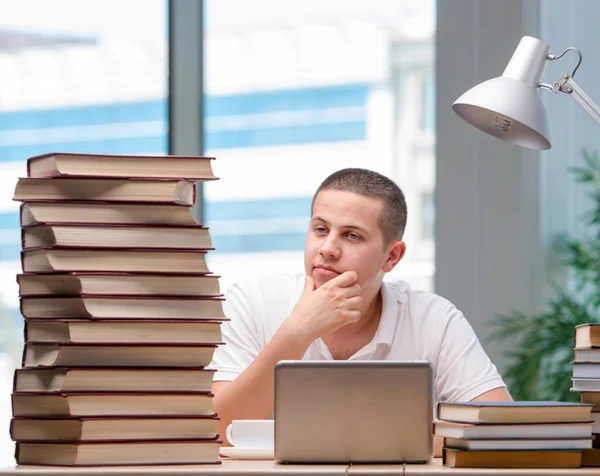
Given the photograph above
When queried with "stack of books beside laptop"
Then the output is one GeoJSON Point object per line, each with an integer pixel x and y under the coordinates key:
{"type": "Point", "coordinates": [586, 380]}
{"type": "Point", "coordinates": [514, 434]}
{"type": "Point", "coordinates": [121, 313]}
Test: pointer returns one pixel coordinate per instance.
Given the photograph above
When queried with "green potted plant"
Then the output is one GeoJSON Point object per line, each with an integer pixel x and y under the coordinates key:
{"type": "Point", "coordinates": [541, 366]}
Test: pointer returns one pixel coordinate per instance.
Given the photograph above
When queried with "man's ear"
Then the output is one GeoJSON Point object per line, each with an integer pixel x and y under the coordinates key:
{"type": "Point", "coordinates": [395, 252]}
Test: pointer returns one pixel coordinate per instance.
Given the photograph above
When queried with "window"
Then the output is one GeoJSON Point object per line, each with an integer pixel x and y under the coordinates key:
{"type": "Point", "coordinates": [295, 91]}
{"type": "Point", "coordinates": [77, 76]}
{"type": "Point", "coordinates": [427, 217]}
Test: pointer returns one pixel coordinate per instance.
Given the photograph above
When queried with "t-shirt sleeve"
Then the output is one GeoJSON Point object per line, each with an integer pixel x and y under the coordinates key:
{"type": "Point", "coordinates": [463, 370]}
{"type": "Point", "coordinates": [240, 337]}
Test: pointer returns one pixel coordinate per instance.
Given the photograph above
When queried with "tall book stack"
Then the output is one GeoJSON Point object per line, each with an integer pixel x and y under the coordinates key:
{"type": "Point", "coordinates": [586, 379]}
{"type": "Point", "coordinates": [121, 313]}
{"type": "Point", "coordinates": [514, 434]}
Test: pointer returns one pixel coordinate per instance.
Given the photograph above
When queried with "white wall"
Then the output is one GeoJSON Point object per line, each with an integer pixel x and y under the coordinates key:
{"type": "Point", "coordinates": [498, 206]}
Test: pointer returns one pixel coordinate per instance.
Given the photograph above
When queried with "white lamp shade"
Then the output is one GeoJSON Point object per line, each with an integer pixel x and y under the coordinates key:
{"type": "Point", "coordinates": [508, 109]}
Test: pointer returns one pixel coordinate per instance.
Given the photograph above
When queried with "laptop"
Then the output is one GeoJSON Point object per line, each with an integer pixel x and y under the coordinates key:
{"type": "Point", "coordinates": [353, 411]}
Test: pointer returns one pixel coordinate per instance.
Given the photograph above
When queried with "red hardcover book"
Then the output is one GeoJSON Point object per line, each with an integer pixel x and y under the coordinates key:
{"type": "Point", "coordinates": [158, 190]}
{"type": "Point", "coordinates": [59, 259]}
{"type": "Point", "coordinates": [130, 284]}
{"type": "Point", "coordinates": [40, 212]}
{"type": "Point", "coordinates": [123, 331]}
{"type": "Point", "coordinates": [122, 307]}
{"type": "Point", "coordinates": [113, 235]}
{"type": "Point", "coordinates": [119, 453]}
{"type": "Point", "coordinates": [117, 355]}
{"type": "Point", "coordinates": [62, 164]}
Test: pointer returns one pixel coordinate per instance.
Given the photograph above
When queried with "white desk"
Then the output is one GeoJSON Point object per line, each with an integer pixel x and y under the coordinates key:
{"type": "Point", "coordinates": [237, 468]}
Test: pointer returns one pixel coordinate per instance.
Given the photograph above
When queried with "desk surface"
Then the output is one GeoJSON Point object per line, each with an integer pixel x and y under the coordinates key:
{"type": "Point", "coordinates": [236, 468]}
{"type": "Point", "coordinates": [436, 468]}
{"type": "Point", "coordinates": [228, 467]}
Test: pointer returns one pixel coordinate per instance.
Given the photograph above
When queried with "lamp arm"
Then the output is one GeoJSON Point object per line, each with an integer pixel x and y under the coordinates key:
{"type": "Point", "coordinates": [567, 85]}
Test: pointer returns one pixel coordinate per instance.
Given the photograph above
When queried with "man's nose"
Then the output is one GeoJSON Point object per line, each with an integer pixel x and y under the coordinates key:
{"type": "Point", "coordinates": [330, 247]}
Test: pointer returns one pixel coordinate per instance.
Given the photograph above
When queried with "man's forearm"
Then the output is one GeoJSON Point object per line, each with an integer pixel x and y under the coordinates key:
{"type": "Point", "coordinates": [251, 395]}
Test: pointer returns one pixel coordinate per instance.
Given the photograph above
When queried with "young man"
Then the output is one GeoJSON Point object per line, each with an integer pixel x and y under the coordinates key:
{"type": "Point", "coordinates": [342, 309]}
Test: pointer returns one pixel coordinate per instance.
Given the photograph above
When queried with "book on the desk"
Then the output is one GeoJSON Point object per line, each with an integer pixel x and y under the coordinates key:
{"type": "Point", "coordinates": [122, 307]}
{"type": "Point", "coordinates": [117, 355]}
{"type": "Point", "coordinates": [158, 190]}
{"type": "Point", "coordinates": [586, 384]}
{"type": "Point", "coordinates": [119, 453]}
{"type": "Point", "coordinates": [590, 457]}
{"type": "Point", "coordinates": [587, 355]}
{"type": "Point", "coordinates": [123, 331]}
{"type": "Point", "coordinates": [519, 430]}
{"type": "Point", "coordinates": [112, 404]}
{"type": "Point", "coordinates": [113, 429]}
{"type": "Point", "coordinates": [519, 444]}
{"type": "Point", "coordinates": [61, 164]}
{"type": "Point", "coordinates": [98, 379]}
{"type": "Point", "coordinates": [587, 335]}
{"type": "Point", "coordinates": [514, 412]}
{"type": "Point", "coordinates": [39, 212]}
{"type": "Point", "coordinates": [591, 398]}
{"type": "Point", "coordinates": [113, 235]}
{"type": "Point", "coordinates": [129, 260]}
{"type": "Point", "coordinates": [586, 370]}
{"type": "Point", "coordinates": [511, 459]}
{"type": "Point", "coordinates": [91, 284]}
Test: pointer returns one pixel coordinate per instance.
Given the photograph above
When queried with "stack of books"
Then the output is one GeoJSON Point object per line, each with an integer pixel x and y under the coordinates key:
{"type": "Point", "coordinates": [586, 379]}
{"type": "Point", "coordinates": [514, 434]}
{"type": "Point", "coordinates": [121, 313]}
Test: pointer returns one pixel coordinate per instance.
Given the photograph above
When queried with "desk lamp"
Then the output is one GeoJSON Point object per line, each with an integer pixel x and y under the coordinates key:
{"type": "Point", "coordinates": [509, 107]}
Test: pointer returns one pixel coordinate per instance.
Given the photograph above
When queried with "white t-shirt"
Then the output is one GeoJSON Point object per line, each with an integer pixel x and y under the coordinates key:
{"type": "Point", "coordinates": [414, 325]}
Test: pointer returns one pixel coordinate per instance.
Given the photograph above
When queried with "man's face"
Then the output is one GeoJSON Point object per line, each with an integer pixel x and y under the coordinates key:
{"type": "Point", "coordinates": [344, 235]}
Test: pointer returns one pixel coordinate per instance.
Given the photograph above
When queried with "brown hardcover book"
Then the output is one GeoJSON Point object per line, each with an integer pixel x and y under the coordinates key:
{"type": "Point", "coordinates": [60, 164]}
{"type": "Point", "coordinates": [38, 213]}
{"type": "Point", "coordinates": [514, 412]}
{"type": "Point", "coordinates": [118, 453]}
{"type": "Point", "coordinates": [128, 260]}
{"type": "Point", "coordinates": [511, 459]}
{"type": "Point", "coordinates": [587, 335]}
{"type": "Point", "coordinates": [62, 379]}
{"type": "Point", "coordinates": [592, 398]}
{"type": "Point", "coordinates": [590, 457]}
{"type": "Point", "coordinates": [113, 429]}
{"type": "Point", "coordinates": [123, 307]}
{"type": "Point", "coordinates": [111, 404]}
{"type": "Point", "coordinates": [106, 190]}
{"type": "Point", "coordinates": [116, 355]}
{"type": "Point", "coordinates": [123, 331]}
{"type": "Point", "coordinates": [512, 430]}
{"type": "Point", "coordinates": [108, 235]}
{"type": "Point", "coordinates": [93, 284]}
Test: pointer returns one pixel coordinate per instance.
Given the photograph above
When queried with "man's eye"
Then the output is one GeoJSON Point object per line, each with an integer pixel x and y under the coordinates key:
{"type": "Point", "coordinates": [353, 236]}
{"type": "Point", "coordinates": [320, 229]}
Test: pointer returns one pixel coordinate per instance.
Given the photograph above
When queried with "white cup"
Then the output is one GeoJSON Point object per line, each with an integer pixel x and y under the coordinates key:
{"type": "Point", "coordinates": [251, 434]}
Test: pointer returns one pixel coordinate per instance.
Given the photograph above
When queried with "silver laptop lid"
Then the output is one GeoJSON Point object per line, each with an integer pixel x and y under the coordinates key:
{"type": "Point", "coordinates": [353, 411]}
